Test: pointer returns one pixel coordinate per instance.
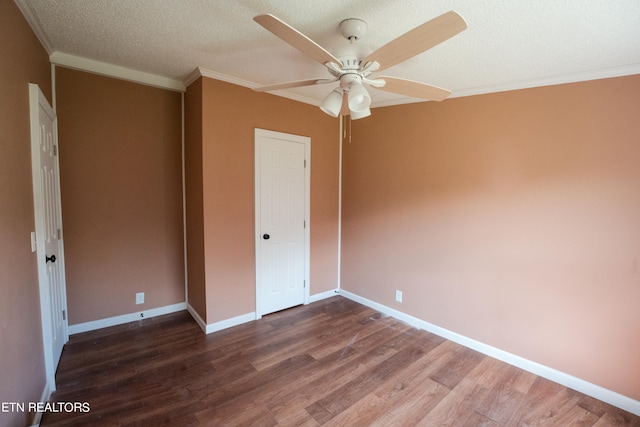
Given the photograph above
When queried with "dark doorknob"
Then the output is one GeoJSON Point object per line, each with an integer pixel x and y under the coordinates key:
{"type": "Point", "coordinates": [51, 258]}
{"type": "Point", "coordinates": [265, 236]}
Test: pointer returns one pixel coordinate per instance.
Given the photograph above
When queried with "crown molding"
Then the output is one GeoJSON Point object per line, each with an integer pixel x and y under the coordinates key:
{"type": "Point", "coordinates": [90, 65]}
{"type": "Point", "coordinates": [203, 72]}
{"type": "Point", "coordinates": [195, 75]}
{"type": "Point", "coordinates": [110, 70]}
{"type": "Point", "coordinates": [605, 73]}
{"type": "Point", "coordinates": [35, 25]}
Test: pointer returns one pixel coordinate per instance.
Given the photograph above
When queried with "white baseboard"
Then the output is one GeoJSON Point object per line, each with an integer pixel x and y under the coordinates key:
{"type": "Point", "coordinates": [197, 318]}
{"type": "Point", "coordinates": [590, 389]}
{"type": "Point", "coordinates": [222, 324]}
{"type": "Point", "coordinates": [125, 318]}
{"type": "Point", "coordinates": [244, 318]}
{"type": "Point", "coordinates": [228, 323]}
{"type": "Point", "coordinates": [323, 295]}
{"type": "Point", "coordinates": [44, 398]}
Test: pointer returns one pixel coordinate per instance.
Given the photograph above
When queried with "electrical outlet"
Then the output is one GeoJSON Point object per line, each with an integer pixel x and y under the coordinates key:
{"type": "Point", "coordinates": [399, 296]}
{"type": "Point", "coordinates": [140, 298]}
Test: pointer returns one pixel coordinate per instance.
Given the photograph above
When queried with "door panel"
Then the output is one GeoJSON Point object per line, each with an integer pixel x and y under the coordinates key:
{"type": "Point", "coordinates": [52, 230]}
{"type": "Point", "coordinates": [280, 222]}
{"type": "Point", "coordinates": [48, 224]}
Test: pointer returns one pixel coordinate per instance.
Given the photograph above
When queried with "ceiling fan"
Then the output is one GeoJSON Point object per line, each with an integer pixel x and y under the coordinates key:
{"type": "Point", "coordinates": [353, 65]}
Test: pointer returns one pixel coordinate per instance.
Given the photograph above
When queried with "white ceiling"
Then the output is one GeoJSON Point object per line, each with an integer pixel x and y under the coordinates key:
{"type": "Point", "coordinates": [509, 44]}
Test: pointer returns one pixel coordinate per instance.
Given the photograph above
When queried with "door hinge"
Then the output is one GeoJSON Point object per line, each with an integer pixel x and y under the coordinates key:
{"type": "Point", "coordinates": [305, 163]}
{"type": "Point", "coordinates": [304, 283]}
{"type": "Point", "coordinates": [59, 234]}
{"type": "Point", "coordinates": [55, 150]}
{"type": "Point", "coordinates": [64, 314]}
{"type": "Point", "coordinates": [304, 224]}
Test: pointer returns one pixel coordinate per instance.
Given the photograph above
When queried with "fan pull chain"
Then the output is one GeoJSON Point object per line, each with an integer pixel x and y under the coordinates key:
{"type": "Point", "coordinates": [346, 131]}
{"type": "Point", "coordinates": [344, 127]}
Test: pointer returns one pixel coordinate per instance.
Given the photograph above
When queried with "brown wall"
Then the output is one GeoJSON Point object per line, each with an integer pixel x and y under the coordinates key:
{"type": "Point", "coordinates": [510, 218]}
{"type": "Point", "coordinates": [193, 187]}
{"type": "Point", "coordinates": [229, 116]}
{"type": "Point", "coordinates": [121, 185]}
{"type": "Point", "coordinates": [22, 374]}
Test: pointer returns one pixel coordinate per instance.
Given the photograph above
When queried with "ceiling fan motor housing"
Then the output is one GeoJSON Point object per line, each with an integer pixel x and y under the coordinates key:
{"type": "Point", "coordinates": [351, 55]}
{"type": "Point", "coordinates": [349, 79]}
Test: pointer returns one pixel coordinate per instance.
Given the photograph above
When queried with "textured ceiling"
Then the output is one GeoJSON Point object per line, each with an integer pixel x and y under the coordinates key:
{"type": "Point", "coordinates": [508, 44]}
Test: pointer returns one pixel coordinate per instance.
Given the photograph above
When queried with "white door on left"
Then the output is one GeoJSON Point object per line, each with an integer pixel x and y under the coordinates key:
{"type": "Point", "coordinates": [48, 224]}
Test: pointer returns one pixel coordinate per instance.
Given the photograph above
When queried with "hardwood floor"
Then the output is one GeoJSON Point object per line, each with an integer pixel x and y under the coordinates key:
{"type": "Point", "coordinates": [334, 363]}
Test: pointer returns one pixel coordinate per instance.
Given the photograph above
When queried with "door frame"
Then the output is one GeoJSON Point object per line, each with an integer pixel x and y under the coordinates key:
{"type": "Point", "coordinates": [37, 100]}
{"type": "Point", "coordinates": [306, 141]}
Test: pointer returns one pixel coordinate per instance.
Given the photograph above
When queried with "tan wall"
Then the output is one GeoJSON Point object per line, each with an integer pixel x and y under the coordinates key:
{"type": "Point", "coordinates": [121, 185]}
{"type": "Point", "coordinates": [510, 218]}
{"type": "Point", "coordinates": [193, 185]}
{"type": "Point", "coordinates": [230, 114]}
{"type": "Point", "coordinates": [22, 374]}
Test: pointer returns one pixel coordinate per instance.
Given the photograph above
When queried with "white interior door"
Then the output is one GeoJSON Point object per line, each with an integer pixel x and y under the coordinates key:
{"type": "Point", "coordinates": [282, 223]}
{"type": "Point", "coordinates": [48, 222]}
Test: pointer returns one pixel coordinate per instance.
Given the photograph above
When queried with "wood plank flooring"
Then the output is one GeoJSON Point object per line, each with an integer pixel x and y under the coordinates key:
{"type": "Point", "coordinates": [333, 363]}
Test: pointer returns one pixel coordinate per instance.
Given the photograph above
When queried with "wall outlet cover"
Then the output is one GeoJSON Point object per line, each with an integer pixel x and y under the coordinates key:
{"type": "Point", "coordinates": [399, 296]}
{"type": "Point", "coordinates": [140, 298]}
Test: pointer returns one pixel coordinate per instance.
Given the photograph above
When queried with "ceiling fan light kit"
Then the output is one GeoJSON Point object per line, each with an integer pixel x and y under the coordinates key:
{"type": "Point", "coordinates": [359, 99]}
{"type": "Point", "coordinates": [332, 103]}
{"type": "Point", "coordinates": [352, 65]}
{"type": "Point", "coordinates": [355, 115]}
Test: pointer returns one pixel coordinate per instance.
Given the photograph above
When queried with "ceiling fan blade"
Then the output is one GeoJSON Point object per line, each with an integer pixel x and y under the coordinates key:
{"type": "Point", "coordinates": [414, 89]}
{"type": "Point", "coordinates": [297, 83]}
{"type": "Point", "coordinates": [295, 38]}
{"type": "Point", "coordinates": [416, 41]}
